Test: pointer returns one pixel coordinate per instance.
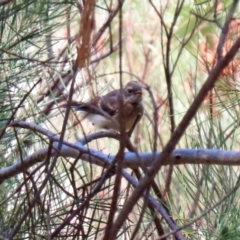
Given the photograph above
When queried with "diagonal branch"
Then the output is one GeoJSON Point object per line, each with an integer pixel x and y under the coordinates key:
{"type": "Point", "coordinates": [155, 167]}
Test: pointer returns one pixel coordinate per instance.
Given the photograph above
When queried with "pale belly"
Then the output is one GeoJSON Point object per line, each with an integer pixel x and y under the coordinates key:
{"type": "Point", "coordinates": [103, 122]}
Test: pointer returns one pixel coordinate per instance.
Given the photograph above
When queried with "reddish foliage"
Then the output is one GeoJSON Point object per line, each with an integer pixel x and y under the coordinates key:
{"type": "Point", "coordinates": [209, 54]}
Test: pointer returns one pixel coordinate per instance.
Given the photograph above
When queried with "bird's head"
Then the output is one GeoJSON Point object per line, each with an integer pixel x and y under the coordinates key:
{"type": "Point", "coordinates": [132, 92]}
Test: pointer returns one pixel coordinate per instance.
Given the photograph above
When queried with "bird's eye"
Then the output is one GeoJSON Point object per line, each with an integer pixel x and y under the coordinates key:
{"type": "Point", "coordinates": [130, 90]}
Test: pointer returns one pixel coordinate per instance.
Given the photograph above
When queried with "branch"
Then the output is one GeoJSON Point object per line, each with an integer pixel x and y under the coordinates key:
{"type": "Point", "coordinates": [131, 159]}
{"type": "Point", "coordinates": [225, 29]}
{"type": "Point", "coordinates": [155, 167]}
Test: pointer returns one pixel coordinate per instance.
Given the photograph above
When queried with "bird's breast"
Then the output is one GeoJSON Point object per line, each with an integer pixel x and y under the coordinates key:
{"type": "Point", "coordinates": [132, 111]}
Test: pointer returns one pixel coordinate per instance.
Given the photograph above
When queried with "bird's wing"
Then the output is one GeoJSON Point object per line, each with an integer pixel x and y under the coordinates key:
{"type": "Point", "coordinates": [109, 103]}
{"type": "Point", "coordinates": [89, 107]}
{"type": "Point", "coordinates": [106, 104]}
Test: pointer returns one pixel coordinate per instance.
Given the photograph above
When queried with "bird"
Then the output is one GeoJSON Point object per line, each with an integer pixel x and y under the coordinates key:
{"type": "Point", "coordinates": [105, 112]}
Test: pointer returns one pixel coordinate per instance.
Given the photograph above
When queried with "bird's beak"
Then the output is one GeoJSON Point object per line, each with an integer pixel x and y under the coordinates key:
{"type": "Point", "coordinates": [138, 94]}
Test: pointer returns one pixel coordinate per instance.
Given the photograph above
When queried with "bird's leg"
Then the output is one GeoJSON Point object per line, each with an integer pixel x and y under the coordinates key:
{"type": "Point", "coordinates": [137, 119]}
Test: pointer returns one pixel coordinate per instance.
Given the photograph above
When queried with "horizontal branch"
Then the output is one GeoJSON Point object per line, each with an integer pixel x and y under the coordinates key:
{"type": "Point", "coordinates": [132, 160]}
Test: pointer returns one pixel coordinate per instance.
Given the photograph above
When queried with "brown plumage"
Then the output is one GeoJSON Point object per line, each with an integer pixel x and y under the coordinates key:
{"type": "Point", "coordinates": [105, 112]}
